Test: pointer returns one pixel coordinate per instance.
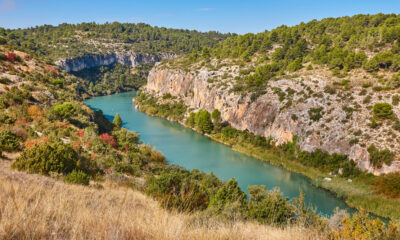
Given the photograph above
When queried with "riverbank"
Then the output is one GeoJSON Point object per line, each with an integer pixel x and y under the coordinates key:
{"type": "Point", "coordinates": [358, 193]}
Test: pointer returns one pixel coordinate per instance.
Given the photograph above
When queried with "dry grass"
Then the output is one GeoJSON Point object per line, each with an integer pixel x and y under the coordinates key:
{"type": "Point", "coordinates": [36, 207]}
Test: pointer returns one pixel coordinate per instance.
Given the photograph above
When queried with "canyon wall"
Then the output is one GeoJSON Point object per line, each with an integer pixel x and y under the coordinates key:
{"type": "Point", "coordinates": [96, 60]}
{"type": "Point", "coordinates": [271, 116]}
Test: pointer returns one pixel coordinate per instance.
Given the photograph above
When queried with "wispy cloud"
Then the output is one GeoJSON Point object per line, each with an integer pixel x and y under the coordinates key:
{"type": "Point", "coordinates": [7, 5]}
{"type": "Point", "coordinates": [206, 9]}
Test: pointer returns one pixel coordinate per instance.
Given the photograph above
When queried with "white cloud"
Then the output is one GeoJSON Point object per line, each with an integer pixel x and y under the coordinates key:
{"type": "Point", "coordinates": [7, 5]}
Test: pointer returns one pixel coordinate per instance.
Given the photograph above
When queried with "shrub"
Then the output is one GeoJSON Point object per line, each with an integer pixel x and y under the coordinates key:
{"type": "Point", "coordinates": [230, 201]}
{"type": "Point", "coordinates": [35, 112]}
{"type": "Point", "coordinates": [269, 207]}
{"type": "Point", "coordinates": [63, 110]}
{"type": "Point", "coordinates": [378, 157]}
{"type": "Point", "coordinates": [382, 110]}
{"type": "Point", "coordinates": [315, 113]}
{"type": "Point", "coordinates": [362, 226]}
{"type": "Point", "coordinates": [8, 141]}
{"type": "Point", "coordinates": [6, 119]}
{"type": "Point", "coordinates": [108, 139]}
{"type": "Point", "coordinates": [77, 177]}
{"type": "Point", "coordinates": [49, 157]}
{"type": "Point", "coordinates": [180, 189]}
{"type": "Point", "coordinates": [125, 138]}
{"type": "Point", "coordinates": [388, 185]}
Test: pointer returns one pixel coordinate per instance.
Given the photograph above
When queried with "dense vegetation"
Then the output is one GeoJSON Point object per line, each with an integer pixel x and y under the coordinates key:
{"type": "Point", "coordinates": [71, 40]}
{"type": "Point", "coordinates": [114, 78]}
{"type": "Point", "coordinates": [317, 164]}
{"type": "Point", "coordinates": [339, 44]}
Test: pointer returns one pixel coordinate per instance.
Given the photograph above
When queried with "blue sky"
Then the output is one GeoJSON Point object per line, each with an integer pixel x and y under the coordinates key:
{"type": "Point", "coordinates": [223, 16]}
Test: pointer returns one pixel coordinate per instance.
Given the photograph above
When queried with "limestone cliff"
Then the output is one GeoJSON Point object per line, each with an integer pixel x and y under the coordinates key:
{"type": "Point", "coordinates": [96, 60]}
{"type": "Point", "coordinates": [343, 115]}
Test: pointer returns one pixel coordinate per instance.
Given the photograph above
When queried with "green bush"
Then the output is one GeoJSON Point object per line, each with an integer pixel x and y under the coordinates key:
{"type": "Point", "coordinates": [315, 113]}
{"type": "Point", "coordinates": [269, 207]}
{"type": "Point", "coordinates": [63, 110]}
{"type": "Point", "coordinates": [8, 141]}
{"type": "Point", "coordinates": [230, 201]}
{"type": "Point", "coordinates": [50, 157]}
{"type": "Point", "coordinates": [378, 157]}
{"type": "Point", "coordinates": [382, 110]}
{"type": "Point", "coordinates": [126, 139]}
{"type": "Point", "coordinates": [77, 177]}
{"type": "Point", "coordinates": [182, 190]}
{"type": "Point", "coordinates": [6, 119]}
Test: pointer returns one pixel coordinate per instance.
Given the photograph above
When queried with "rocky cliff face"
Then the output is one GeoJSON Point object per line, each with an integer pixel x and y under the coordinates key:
{"type": "Point", "coordinates": [283, 111]}
{"type": "Point", "coordinates": [125, 58]}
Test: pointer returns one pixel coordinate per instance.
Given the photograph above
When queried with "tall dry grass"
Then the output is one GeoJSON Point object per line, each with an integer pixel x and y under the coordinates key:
{"type": "Point", "coordinates": [36, 207]}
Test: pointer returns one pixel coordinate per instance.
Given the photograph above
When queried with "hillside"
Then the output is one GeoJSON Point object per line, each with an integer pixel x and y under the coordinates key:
{"type": "Point", "coordinates": [68, 172]}
{"type": "Point", "coordinates": [322, 95]}
{"type": "Point", "coordinates": [75, 40]}
{"type": "Point", "coordinates": [319, 98]}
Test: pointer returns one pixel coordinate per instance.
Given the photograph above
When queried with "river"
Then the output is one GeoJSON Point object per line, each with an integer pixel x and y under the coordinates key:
{"type": "Point", "coordinates": [191, 150]}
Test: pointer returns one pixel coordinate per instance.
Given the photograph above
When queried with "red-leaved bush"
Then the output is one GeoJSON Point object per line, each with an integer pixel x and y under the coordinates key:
{"type": "Point", "coordinates": [108, 139]}
{"type": "Point", "coordinates": [11, 56]}
{"type": "Point", "coordinates": [80, 133]}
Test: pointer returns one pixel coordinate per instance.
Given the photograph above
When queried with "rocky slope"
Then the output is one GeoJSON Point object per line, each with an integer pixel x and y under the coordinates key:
{"type": "Point", "coordinates": [286, 109]}
{"type": "Point", "coordinates": [96, 60]}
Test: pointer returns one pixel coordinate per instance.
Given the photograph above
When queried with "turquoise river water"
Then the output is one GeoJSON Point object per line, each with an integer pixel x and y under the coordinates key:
{"type": "Point", "coordinates": [191, 150]}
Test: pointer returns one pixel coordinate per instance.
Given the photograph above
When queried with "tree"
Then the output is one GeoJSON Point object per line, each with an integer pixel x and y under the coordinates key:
{"type": "Point", "coordinates": [191, 120]}
{"type": "Point", "coordinates": [203, 121]}
{"type": "Point", "coordinates": [117, 120]}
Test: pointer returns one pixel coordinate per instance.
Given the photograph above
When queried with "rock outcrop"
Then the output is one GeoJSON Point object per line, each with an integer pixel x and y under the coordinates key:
{"type": "Point", "coordinates": [96, 60]}
{"type": "Point", "coordinates": [283, 111]}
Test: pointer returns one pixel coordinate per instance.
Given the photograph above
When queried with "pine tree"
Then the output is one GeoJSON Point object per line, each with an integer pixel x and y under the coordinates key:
{"type": "Point", "coordinates": [117, 120]}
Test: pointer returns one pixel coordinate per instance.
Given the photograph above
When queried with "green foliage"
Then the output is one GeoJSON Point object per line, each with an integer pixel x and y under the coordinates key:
{"type": "Point", "coordinates": [50, 41]}
{"type": "Point", "coordinates": [117, 120]}
{"type": "Point", "coordinates": [114, 78]}
{"type": "Point", "coordinates": [388, 184]}
{"type": "Point", "coordinates": [269, 207]}
{"type": "Point", "coordinates": [126, 139]}
{"type": "Point", "coordinates": [63, 111]}
{"type": "Point", "coordinates": [230, 200]}
{"type": "Point", "coordinates": [383, 111]}
{"type": "Point", "coordinates": [8, 141]}
{"type": "Point", "coordinates": [50, 157]}
{"type": "Point", "coordinates": [203, 121]}
{"type": "Point", "coordinates": [378, 157]}
{"type": "Point", "coordinates": [315, 113]}
{"type": "Point", "coordinates": [6, 118]}
{"type": "Point", "coordinates": [183, 190]}
{"type": "Point", "coordinates": [190, 121]}
{"type": "Point", "coordinates": [329, 162]}
{"type": "Point", "coordinates": [77, 177]}
{"type": "Point", "coordinates": [103, 124]}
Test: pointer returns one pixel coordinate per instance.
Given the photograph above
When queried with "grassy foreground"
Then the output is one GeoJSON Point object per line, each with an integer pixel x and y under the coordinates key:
{"type": "Point", "coordinates": [38, 207]}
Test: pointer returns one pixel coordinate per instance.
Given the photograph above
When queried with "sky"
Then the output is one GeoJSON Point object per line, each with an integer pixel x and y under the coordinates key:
{"type": "Point", "coordinates": [224, 16]}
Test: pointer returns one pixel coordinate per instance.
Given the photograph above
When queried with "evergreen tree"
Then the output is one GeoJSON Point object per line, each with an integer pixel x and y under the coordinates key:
{"type": "Point", "coordinates": [117, 120]}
